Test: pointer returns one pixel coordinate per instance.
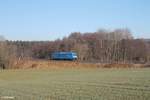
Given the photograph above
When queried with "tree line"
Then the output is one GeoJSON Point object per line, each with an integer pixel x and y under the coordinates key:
{"type": "Point", "coordinates": [118, 46]}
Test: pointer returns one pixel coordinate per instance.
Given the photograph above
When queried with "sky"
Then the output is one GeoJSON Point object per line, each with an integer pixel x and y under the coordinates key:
{"type": "Point", "coordinates": [53, 19]}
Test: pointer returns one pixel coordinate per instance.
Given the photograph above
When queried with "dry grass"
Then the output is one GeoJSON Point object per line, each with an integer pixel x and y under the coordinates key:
{"type": "Point", "coordinates": [44, 64]}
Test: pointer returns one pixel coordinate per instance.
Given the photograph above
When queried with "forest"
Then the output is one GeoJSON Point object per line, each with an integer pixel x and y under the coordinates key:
{"type": "Point", "coordinates": [103, 46]}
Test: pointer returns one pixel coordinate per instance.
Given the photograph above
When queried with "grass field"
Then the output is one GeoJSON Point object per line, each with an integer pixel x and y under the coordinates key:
{"type": "Point", "coordinates": [75, 84]}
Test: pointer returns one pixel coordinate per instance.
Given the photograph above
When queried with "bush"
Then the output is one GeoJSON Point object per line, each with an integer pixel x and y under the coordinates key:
{"type": "Point", "coordinates": [7, 55]}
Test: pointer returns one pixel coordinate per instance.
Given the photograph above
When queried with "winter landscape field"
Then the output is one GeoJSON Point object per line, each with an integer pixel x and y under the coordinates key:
{"type": "Point", "coordinates": [75, 84]}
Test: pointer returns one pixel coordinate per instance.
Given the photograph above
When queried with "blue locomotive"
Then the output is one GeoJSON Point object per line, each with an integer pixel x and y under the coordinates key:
{"type": "Point", "coordinates": [64, 56]}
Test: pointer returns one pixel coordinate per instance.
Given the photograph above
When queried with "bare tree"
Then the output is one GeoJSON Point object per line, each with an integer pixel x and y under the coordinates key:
{"type": "Point", "coordinates": [7, 54]}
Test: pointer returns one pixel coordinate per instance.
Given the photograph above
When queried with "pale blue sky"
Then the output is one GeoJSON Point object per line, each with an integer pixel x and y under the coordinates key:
{"type": "Point", "coordinates": [51, 19]}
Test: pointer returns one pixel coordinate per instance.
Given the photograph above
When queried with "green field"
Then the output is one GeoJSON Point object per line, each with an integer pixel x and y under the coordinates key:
{"type": "Point", "coordinates": [75, 84]}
